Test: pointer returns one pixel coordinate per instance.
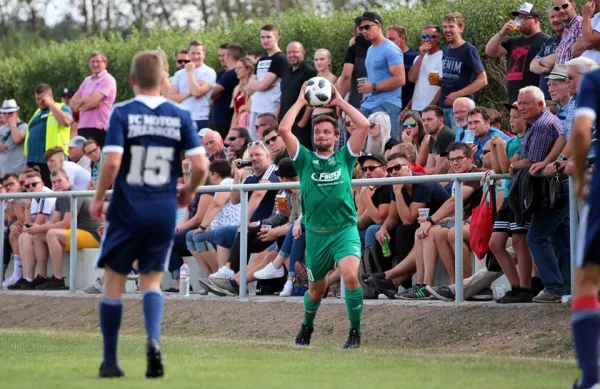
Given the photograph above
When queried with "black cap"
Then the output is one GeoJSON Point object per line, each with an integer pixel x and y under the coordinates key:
{"type": "Point", "coordinates": [371, 16]}
{"type": "Point", "coordinates": [514, 105]}
{"type": "Point", "coordinates": [527, 9]}
{"type": "Point", "coordinates": [375, 157]}
{"type": "Point", "coordinates": [286, 168]}
{"type": "Point", "coordinates": [67, 92]}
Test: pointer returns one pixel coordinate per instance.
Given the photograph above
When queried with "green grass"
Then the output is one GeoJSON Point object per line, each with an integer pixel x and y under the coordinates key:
{"type": "Point", "coordinates": [70, 360]}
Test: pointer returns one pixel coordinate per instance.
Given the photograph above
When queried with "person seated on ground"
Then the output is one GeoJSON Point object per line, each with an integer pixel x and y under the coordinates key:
{"type": "Point", "coordinates": [294, 245]}
{"type": "Point", "coordinates": [220, 213]}
{"type": "Point", "coordinates": [78, 176]}
{"type": "Point", "coordinates": [374, 201]}
{"type": "Point", "coordinates": [37, 213]}
{"type": "Point", "coordinates": [401, 224]}
{"type": "Point", "coordinates": [460, 157]}
{"type": "Point", "coordinates": [275, 144]}
{"type": "Point", "coordinates": [379, 139]}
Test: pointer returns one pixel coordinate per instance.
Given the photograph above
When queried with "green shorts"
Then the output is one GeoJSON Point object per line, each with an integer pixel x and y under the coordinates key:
{"type": "Point", "coordinates": [324, 250]}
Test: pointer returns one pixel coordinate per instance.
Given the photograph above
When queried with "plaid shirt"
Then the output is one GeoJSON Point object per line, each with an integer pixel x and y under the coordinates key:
{"type": "Point", "coordinates": [568, 123]}
{"type": "Point", "coordinates": [573, 31]}
{"type": "Point", "coordinates": [541, 133]}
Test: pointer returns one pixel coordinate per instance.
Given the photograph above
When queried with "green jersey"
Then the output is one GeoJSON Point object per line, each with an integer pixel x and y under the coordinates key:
{"type": "Point", "coordinates": [326, 189]}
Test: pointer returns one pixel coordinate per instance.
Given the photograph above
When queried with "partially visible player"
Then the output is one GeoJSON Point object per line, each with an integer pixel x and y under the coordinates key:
{"type": "Point", "coordinates": [328, 207]}
{"type": "Point", "coordinates": [146, 136]}
{"type": "Point", "coordinates": [585, 309]}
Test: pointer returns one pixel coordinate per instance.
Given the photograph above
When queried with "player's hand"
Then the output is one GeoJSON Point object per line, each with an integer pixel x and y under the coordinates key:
{"type": "Point", "coordinates": [96, 208]}
{"type": "Point", "coordinates": [336, 99]}
{"type": "Point", "coordinates": [382, 233]}
{"type": "Point", "coordinates": [297, 230]}
{"type": "Point", "coordinates": [302, 95]}
{"type": "Point", "coordinates": [184, 196]}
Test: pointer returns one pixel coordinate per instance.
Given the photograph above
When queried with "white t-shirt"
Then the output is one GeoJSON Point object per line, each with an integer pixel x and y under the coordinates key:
{"type": "Point", "coordinates": [199, 107]}
{"type": "Point", "coordinates": [229, 215]}
{"type": "Point", "coordinates": [267, 101]}
{"type": "Point", "coordinates": [594, 55]}
{"type": "Point", "coordinates": [45, 206]}
{"type": "Point", "coordinates": [78, 176]}
{"type": "Point", "coordinates": [424, 92]}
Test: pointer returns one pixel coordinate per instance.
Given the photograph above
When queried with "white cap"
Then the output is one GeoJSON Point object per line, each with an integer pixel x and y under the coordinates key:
{"type": "Point", "coordinates": [203, 132]}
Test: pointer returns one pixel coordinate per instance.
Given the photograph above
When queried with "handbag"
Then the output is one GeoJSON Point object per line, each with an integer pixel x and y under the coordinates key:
{"type": "Point", "coordinates": [482, 225]}
{"type": "Point", "coordinates": [556, 194]}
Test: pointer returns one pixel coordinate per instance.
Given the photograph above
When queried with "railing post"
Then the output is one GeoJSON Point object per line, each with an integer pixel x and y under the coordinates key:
{"type": "Point", "coordinates": [243, 241]}
{"type": "Point", "coordinates": [73, 252]}
{"type": "Point", "coordinates": [2, 242]}
{"type": "Point", "coordinates": [458, 240]}
{"type": "Point", "coordinates": [574, 224]}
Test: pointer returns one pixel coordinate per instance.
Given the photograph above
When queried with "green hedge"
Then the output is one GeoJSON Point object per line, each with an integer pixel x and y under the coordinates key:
{"type": "Point", "coordinates": [65, 64]}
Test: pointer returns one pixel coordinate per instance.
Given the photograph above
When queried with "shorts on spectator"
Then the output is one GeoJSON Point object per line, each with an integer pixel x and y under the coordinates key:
{"type": "Point", "coordinates": [505, 221]}
{"type": "Point", "coordinates": [85, 240]}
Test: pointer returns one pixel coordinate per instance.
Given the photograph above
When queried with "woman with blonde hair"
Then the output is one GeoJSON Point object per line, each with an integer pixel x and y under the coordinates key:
{"type": "Point", "coordinates": [241, 100]}
{"type": "Point", "coordinates": [322, 61]}
{"type": "Point", "coordinates": [412, 128]}
{"type": "Point", "coordinates": [164, 89]}
{"type": "Point", "coordinates": [379, 139]}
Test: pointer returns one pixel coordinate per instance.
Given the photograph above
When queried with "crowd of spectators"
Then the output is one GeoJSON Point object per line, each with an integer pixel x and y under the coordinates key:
{"type": "Point", "coordinates": [423, 120]}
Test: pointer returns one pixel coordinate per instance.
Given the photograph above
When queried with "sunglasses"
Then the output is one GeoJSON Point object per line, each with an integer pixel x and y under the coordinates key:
{"type": "Point", "coordinates": [32, 185]}
{"type": "Point", "coordinates": [561, 7]}
{"type": "Point", "coordinates": [370, 168]}
{"type": "Point", "coordinates": [396, 168]}
{"type": "Point", "coordinates": [233, 138]}
{"type": "Point", "coordinates": [429, 36]}
{"type": "Point", "coordinates": [271, 140]}
{"type": "Point", "coordinates": [366, 27]}
{"type": "Point", "coordinates": [412, 124]}
{"type": "Point", "coordinates": [258, 143]}
{"type": "Point", "coordinates": [183, 61]}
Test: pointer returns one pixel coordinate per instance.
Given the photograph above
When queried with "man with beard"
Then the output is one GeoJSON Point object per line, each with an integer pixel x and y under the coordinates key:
{"type": "Point", "coordinates": [438, 138]}
{"type": "Point", "coordinates": [291, 82]}
{"type": "Point", "coordinates": [519, 50]}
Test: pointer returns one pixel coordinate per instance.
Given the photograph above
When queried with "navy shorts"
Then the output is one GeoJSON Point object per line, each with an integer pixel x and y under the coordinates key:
{"type": "Point", "coordinates": [122, 244]}
{"type": "Point", "coordinates": [588, 243]}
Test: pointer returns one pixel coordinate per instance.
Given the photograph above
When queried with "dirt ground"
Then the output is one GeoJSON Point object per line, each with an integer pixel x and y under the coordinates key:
{"type": "Point", "coordinates": [480, 328]}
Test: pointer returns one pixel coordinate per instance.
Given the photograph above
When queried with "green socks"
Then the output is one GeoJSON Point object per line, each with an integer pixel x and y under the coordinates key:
{"type": "Point", "coordinates": [354, 305]}
{"type": "Point", "coordinates": [310, 310]}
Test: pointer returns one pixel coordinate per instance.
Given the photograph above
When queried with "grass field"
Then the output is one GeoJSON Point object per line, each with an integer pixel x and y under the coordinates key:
{"type": "Point", "coordinates": [70, 360]}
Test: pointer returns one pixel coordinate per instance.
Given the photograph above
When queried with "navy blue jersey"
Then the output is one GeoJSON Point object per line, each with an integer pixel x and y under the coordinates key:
{"type": "Point", "coordinates": [151, 132]}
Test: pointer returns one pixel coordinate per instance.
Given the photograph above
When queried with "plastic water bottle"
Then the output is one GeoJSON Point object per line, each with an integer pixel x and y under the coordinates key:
{"type": "Point", "coordinates": [184, 280]}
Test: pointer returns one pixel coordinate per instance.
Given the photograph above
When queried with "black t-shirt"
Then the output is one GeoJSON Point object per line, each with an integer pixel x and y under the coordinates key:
{"type": "Point", "coordinates": [391, 143]}
{"type": "Point", "coordinates": [432, 194]}
{"type": "Point", "coordinates": [356, 55]}
{"type": "Point", "coordinates": [520, 52]}
{"type": "Point", "coordinates": [382, 195]}
{"type": "Point", "coordinates": [291, 83]}
{"type": "Point", "coordinates": [440, 145]}
{"type": "Point", "coordinates": [409, 87]}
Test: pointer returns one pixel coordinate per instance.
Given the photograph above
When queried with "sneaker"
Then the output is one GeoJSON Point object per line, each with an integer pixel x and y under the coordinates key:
{"type": "Point", "coordinates": [223, 286]}
{"type": "Point", "coordinates": [110, 371]}
{"type": "Point", "coordinates": [353, 340]}
{"type": "Point", "coordinates": [203, 289]}
{"type": "Point", "coordinates": [269, 272]}
{"type": "Point", "coordinates": [53, 283]}
{"type": "Point", "coordinates": [383, 286]}
{"type": "Point", "coordinates": [206, 283]}
{"type": "Point", "coordinates": [547, 297]}
{"type": "Point", "coordinates": [516, 295]}
{"type": "Point", "coordinates": [37, 281]}
{"type": "Point", "coordinates": [172, 290]}
{"type": "Point", "coordinates": [95, 288]}
{"type": "Point", "coordinates": [288, 289]}
{"type": "Point", "coordinates": [419, 293]}
{"type": "Point", "coordinates": [303, 337]}
{"type": "Point", "coordinates": [223, 272]}
{"type": "Point", "coordinates": [443, 293]}
{"type": "Point", "coordinates": [17, 285]}
{"type": "Point", "coordinates": [483, 295]}
{"type": "Point", "coordinates": [154, 367]}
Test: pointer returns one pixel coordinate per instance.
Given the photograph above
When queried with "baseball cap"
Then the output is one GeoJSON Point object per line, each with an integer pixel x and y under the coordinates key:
{"type": "Point", "coordinates": [527, 9]}
{"type": "Point", "coordinates": [204, 131]}
{"type": "Point", "coordinates": [559, 72]}
{"type": "Point", "coordinates": [375, 157]}
{"type": "Point", "coordinates": [77, 141]}
{"type": "Point", "coordinates": [514, 105]}
{"type": "Point", "coordinates": [371, 16]}
{"type": "Point", "coordinates": [286, 168]}
{"type": "Point", "coordinates": [67, 92]}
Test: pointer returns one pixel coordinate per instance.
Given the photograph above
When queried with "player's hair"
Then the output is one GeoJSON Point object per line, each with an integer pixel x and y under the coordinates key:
{"type": "Point", "coordinates": [58, 171]}
{"type": "Point", "coordinates": [434, 108]}
{"type": "Point", "coordinates": [406, 150]}
{"type": "Point", "coordinates": [437, 27]}
{"type": "Point", "coordinates": [9, 175]}
{"type": "Point", "coordinates": [147, 69]}
{"type": "Point", "coordinates": [221, 167]}
{"type": "Point", "coordinates": [455, 17]}
{"type": "Point", "coordinates": [482, 111]}
{"type": "Point", "coordinates": [235, 50]}
{"type": "Point", "coordinates": [269, 130]}
{"type": "Point", "coordinates": [455, 146]}
{"type": "Point", "coordinates": [52, 152]}
{"type": "Point", "coordinates": [401, 30]}
{"type": "Point", "coordinates": [270, 27]}
{"type": "Point", "coordinates": [327, 119]}
{"type": "Point", "coordinates": [223, 45]}
{"type": "Point", "coordinates": [43, 88]}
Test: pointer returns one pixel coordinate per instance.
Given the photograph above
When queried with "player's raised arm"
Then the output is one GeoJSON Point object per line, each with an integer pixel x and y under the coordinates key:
{"type": "Point", "coordinates": [359, 136]}
{"type": "Point", "coordinates": [285, 127]}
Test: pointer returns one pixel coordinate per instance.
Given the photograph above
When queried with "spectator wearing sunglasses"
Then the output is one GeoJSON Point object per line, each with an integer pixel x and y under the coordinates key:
{"type": "Point", "coordinates": [382, 90]}
{"type": "Point", "coordinates": [573, 29]}
{"type": "Point", "coordinates": [379, 139]}
{"type": "Point", "coordinates": [182, 59]}
{"type": "Point", "coordinates": [237, 143]}
{"type": "Point", "coordinates": [429, 60]}
{"type": "Point", "coordinates": [412, 129]}
{"type": "Point", "coordinates": [275, 144]}
{"type": "Point", "coordinates": [409, 152]}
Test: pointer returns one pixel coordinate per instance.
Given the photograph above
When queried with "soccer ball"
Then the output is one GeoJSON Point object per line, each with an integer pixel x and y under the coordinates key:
{"type": "Point", "coordinates": [318, 91]}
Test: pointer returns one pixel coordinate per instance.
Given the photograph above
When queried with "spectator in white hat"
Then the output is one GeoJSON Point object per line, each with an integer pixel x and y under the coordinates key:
{"type": "Point", "coordinates": [202, 133]}
{"type": "Point", "coordinates": [12, 134]}
{"type": "Point", "coordinates": [76, 153]}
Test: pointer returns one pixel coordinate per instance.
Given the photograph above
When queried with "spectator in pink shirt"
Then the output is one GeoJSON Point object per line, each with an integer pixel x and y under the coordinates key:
{"type": "Point", "coordinates": [94, 99]}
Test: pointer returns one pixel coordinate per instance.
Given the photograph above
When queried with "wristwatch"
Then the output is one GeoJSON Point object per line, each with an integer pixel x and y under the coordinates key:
{"type": "Point", "coordinates": [511, 169]}
{"type": "Point", "coordinates": [430, 220]}
{"type": "Point", "coordinates": [374, 87]}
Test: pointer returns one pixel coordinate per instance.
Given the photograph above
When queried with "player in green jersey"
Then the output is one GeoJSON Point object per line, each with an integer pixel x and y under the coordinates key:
{"type": "Point", "coordinates": [328, 208]}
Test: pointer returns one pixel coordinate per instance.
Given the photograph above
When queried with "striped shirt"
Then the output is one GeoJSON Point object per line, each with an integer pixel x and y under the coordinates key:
{"type": "Point", "coordinates": [570, 116]}
{"type": "Point", "coordinates": [573, 30]}
{"type": "Point", "coordinates": [541, 133]}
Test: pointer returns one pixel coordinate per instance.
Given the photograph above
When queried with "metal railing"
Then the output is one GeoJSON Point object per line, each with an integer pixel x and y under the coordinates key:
{"type": "Point", "coordinates": [245, 188]}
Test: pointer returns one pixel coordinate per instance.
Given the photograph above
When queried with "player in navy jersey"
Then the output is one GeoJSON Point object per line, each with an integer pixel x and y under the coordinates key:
{"type": "Point", "coordinates": [585, 309]}
{"type": "Point", "coordinates": [145, 138]}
